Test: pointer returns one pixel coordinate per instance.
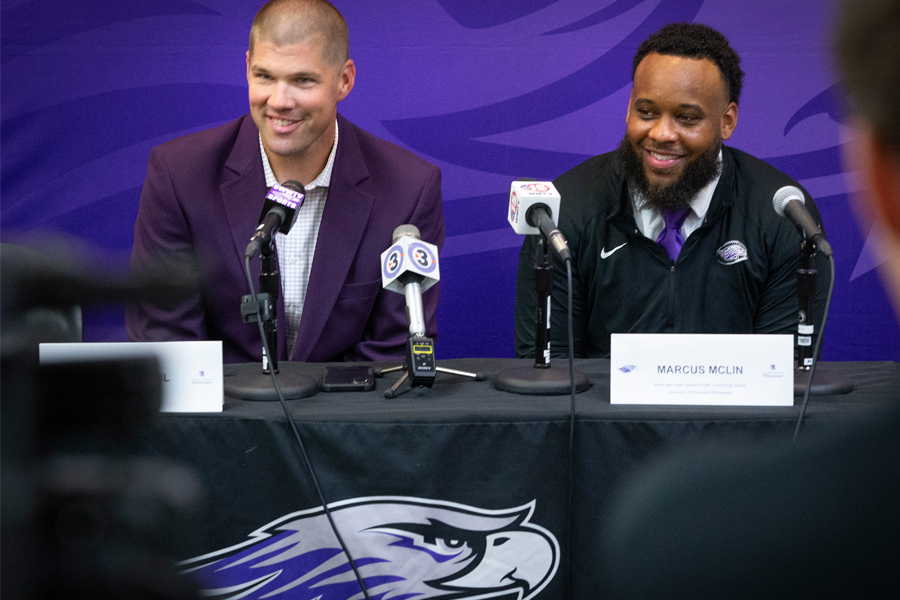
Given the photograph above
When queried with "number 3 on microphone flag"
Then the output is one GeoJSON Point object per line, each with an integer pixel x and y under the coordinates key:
{"type": "Point", "coordinates": [409, 255]}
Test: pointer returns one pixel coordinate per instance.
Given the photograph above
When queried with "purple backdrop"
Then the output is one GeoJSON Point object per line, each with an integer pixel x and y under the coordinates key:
{"type": "Point", "coordinates": [486, 90]}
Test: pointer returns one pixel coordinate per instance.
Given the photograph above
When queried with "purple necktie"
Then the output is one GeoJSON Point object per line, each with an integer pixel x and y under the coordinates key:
{"type": "Point", "coordinates": [671, 238]}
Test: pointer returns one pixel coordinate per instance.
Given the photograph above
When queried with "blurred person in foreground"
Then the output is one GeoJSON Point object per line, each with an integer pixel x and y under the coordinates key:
{"type": "Point", "coordinates": [818, 519]}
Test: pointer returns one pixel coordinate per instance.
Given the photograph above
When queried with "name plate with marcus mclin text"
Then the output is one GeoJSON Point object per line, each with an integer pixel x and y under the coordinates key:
{"type": "Point", "coordinates": [702, 369]}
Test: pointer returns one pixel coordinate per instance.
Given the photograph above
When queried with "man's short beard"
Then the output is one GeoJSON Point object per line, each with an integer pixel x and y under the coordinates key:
{"type": "Point", "coordinates": [676, 196]}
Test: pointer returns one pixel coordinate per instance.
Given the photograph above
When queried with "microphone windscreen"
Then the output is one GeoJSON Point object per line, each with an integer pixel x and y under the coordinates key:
{"type": "Point", "coordinates": [785, 195]}
{"type": "Point", "coordinates": [406, 230]}
{"type": "Point", "coordinates": [292, 184]}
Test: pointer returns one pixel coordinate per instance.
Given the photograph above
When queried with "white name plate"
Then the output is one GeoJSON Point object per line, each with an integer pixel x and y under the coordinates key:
{"type": "Point", "coordinates": [702, 369]}
{"type": "Point", "coordinates": [191, 372]}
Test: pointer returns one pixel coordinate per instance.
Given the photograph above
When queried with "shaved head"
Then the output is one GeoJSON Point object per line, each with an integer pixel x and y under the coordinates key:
{"type": "Point", "coordinates": [285, 22]}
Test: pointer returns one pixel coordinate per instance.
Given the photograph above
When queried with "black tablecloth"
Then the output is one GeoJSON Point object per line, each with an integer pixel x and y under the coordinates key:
{"type": "Point", "coordinates": [463, 457]}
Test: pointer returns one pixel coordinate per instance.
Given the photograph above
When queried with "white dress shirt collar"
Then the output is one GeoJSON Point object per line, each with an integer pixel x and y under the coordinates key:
{"type": "Point", "coordinates": [650, 221]}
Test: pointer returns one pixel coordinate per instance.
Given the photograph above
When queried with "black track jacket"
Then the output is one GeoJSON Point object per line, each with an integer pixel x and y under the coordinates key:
{"type": "Point", "coordinates": [735, 274]}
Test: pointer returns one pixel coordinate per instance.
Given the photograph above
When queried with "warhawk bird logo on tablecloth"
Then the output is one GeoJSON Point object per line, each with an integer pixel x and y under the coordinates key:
{"type": "Point", "coordinates": [404, 548]}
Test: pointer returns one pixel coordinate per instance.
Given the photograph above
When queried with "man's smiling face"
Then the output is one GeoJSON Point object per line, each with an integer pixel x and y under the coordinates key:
{"type": "Point", "coordinates": [679, 112]}
{"type": "Point", "coordinates": [294, 93]}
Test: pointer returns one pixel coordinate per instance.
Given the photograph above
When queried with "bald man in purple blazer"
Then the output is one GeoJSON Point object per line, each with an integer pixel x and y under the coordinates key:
{"type": "Point", "coordinates": [204, 193]}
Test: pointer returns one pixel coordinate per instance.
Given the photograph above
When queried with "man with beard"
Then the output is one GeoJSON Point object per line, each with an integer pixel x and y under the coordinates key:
{"type": "Point", "coordinates": [673, 232]}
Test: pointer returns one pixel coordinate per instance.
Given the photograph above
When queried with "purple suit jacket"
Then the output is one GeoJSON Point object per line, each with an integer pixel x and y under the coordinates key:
{"type": "Point", "coordinates": [201, 201]}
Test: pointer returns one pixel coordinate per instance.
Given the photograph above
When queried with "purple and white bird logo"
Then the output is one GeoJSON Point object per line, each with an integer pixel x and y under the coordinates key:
{"type": "Point", "coordinates": [404, 548]}
{"type": "Point", "coordinates": [732, 252]}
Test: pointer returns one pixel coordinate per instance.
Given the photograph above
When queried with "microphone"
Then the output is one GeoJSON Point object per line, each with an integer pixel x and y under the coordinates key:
{"type": "Point", "coordinates": [789, 202]}
{"type": "Point", "coordinates": [409, 267]}
{"type": "Point", "coordinates": [534, 208]}
{"type": "Point", "coordinates": [282, 202]}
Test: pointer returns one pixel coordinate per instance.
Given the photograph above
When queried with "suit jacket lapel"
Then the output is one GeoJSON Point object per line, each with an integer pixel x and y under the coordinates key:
{"type": "Point", "coordinates": [243, 189]}
{"type": "Point", "coordinates": [344, 221]}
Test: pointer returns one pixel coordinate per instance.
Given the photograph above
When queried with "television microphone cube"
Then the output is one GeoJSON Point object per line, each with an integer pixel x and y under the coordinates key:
{"type": "Point", "coordinates": [525, 194]}
{"type": "Point", "coordinates": [409, 255]}
{"type": "Point", "coordinates": [292, 200]}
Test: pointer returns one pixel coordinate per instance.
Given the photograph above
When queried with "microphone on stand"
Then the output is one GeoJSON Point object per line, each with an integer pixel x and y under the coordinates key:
{"type": "Point", "coordinates": [282, 202]}
{"type": "Point", "coordinates": [248, 381]}
{"type": "Point", "coordinates": [534, 209]}
{"type": "Point", "coordinates": [790, 203]}
{"type": "Point", "coordinates": [277, 214]}
{"type": "Point", "coordinates": [410, 267]}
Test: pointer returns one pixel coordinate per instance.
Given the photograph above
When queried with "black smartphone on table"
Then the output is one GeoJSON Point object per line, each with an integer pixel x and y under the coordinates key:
{"type": "Point", "coordinates": [351, 378]}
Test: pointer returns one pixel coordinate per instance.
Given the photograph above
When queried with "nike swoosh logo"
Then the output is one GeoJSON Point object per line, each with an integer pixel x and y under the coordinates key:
{"type": "Point", "coordinates": [604, 254]}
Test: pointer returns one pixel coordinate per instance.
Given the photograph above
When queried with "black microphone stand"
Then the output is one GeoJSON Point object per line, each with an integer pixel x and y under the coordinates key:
{"type": "Point", "coordinates": [247, 381]}
{"type": "Point", "coordinates": [420, 368]}
{"type": "Point", "coordinates": [806, 293]}
{"type": "Point", "coordinates": [823, 384]}
{"type": "Point", "coordinates": [269, 283]}
{"type": "Point", "coordinates": [541, 379]}
{"type": "Point", "coordinates": [543, 287]}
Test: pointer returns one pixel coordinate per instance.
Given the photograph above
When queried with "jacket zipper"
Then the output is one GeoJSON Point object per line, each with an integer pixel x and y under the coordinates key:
{"type": "Point", "coordinates": [671, 319]}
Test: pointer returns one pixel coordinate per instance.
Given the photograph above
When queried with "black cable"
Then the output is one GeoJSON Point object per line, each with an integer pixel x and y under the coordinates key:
{"type": "Point", "coordinates": [812, 370]}
{"type": "Point", "coordinates": [569, 500]}
{"type": "Point", "coordinates": [303, 452]}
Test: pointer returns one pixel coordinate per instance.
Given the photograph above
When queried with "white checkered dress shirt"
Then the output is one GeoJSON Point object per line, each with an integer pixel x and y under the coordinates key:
{"type": "Point", "coordinates": [296, 249]}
